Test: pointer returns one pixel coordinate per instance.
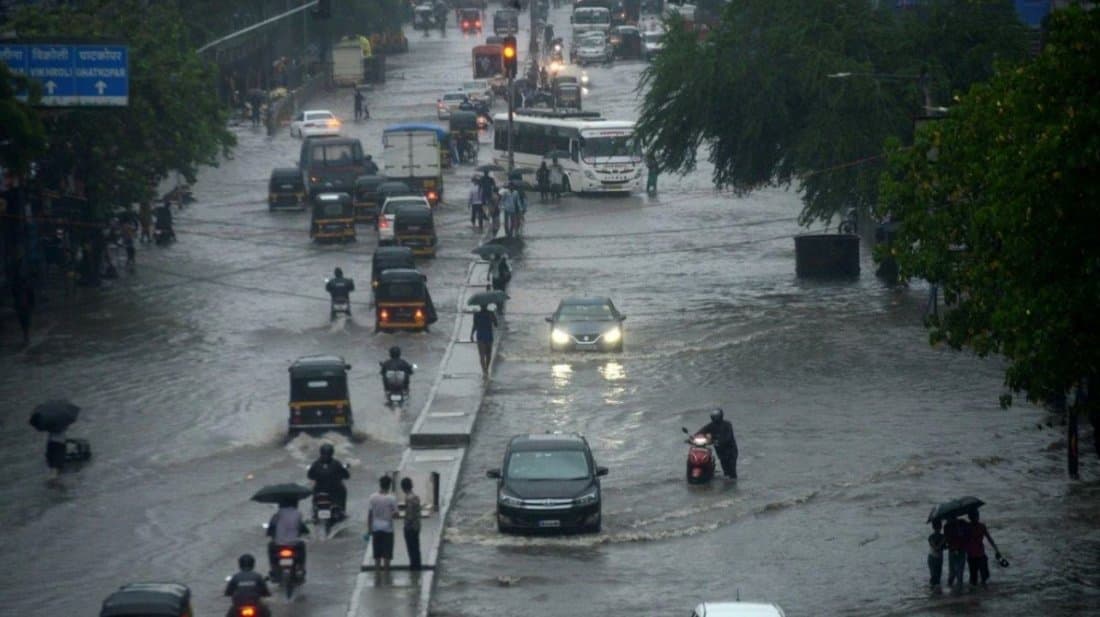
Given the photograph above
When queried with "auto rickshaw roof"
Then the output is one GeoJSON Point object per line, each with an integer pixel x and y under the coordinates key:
{"type": "Point", "coordinates": [370, 181]}
{"type": "Point", "coordinates": [318, 365]}
{"type": "Point", "coordinates": [416, 126]}
{"type": "Point", "coordinates": [147, 600]}
{"type": "Point", "coordinates": [387, 253]}
{"type": "Point", "coordinates": [401, 275]}
{"type": "Point", "coordinates": [286, 173]}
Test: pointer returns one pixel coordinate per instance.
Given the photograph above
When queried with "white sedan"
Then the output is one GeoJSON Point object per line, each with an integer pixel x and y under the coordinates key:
{"type": "Point", "coordinates": [314, 123]}
{"type": "Point", "coordinates": [479, 90]}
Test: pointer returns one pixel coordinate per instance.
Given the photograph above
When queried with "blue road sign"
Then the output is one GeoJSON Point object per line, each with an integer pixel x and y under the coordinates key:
{"type": "Point", "coordinates": [73, 75]}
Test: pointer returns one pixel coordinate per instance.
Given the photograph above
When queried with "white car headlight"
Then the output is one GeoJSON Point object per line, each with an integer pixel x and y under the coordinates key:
{"type": "Point", "coordinates": [614, 335]}
{"type": "Point", "coordinates": [559, 337]}
{"type": "Point", "coordinates": [509, 500]}
{"type": "Point", "coordinates": [588, 498]}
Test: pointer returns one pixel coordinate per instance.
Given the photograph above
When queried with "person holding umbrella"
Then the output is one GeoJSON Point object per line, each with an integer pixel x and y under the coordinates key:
{"type": "Point", "coordinates": [55, 417]}
{"type": "Point", "coordinates": [286, 527]}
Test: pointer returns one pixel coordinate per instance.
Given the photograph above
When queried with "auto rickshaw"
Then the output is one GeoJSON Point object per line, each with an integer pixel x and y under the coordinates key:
{"type": "Point", "coordinates": [469, 20]}
{"type": "Point", "coordinates": [629, 45]}
{"type": "Point", "coordinates": [148, 600]}
{"type": "Point", "coordinates": [390, 258]}
{"type": "Point", "coordinates": [402, 301]}
{"type": "Point", "coordinates": [319, 399]}
{"type": "Point", "coordinates": [333, 218]}
{"type": "Point", "coordinates": [286, 189]}
{"type": "Point", "coordinates": [365, 199]}
{"type": "Point", "coordinates": [464, 134]}
{"type": "Point", "coordinates": [567, 92]}
{"type": "Point", "coordinates": [505, 21]}
{"type": "Point", "coordinates": [414, 227]}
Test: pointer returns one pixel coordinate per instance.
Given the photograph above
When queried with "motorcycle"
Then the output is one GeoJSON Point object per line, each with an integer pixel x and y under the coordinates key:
{"type": "Point", "coordinates": [289, 571]}
{"type": "Point", "coordinates": [341, 305]}
{"type": "Point", "coordinates": [700, 459]}
{"type": "Point", "coordinates": [326, 511]}
{"type": "Point", "coordinates": [396, 386]}
{"type": "Point", "coordinates": [248, 610]}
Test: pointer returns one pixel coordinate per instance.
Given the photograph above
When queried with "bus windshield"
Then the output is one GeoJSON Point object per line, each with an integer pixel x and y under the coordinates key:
{"type": "Point", "coordinates": [594, 15]}
{"type": "Point", "coordinates": [594, 148]}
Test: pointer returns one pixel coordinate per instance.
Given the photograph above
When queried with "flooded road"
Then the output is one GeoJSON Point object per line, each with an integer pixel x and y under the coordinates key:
{"type": "Point", "coordinates": [181, 370]}
{"type": "Point", "coordinates": [850, 427]}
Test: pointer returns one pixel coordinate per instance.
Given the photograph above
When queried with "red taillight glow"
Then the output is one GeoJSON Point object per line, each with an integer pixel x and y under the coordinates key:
{"type": "Point", "coordinates": [384, 315]}
{"type": "Point", "coordinates": [477, 24]}
{"type": "Point", "coordinates": [383, 223]}
{"type": "Point", "coordinates": [419, 314]}
{"type": "Point", "coordinates": [286, 552]}
{"type": "Point", "coordinates": [431, 195]}
{"type": "Point", "coordinates": [248, 611]}
{"type": "Point", "coordinates": [465, 24]}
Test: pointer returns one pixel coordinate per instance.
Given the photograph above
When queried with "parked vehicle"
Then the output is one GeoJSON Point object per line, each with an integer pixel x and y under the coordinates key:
{"type": "Point", "coordinates": [413, 154]}
{"type": "Point", "coordinates": [285, 189]}
{"type": "Point", "coordinates": [319, 398]}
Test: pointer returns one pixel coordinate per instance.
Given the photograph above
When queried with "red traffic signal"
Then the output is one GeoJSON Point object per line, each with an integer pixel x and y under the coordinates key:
{"type": "Point", "coordinates": [510, 56]}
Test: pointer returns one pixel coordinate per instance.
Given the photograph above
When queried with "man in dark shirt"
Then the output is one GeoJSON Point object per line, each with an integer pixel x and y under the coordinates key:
{"type": "Point", "coordinates": [328, 475]}
{"type": "Point", "coordinates": [484, 322]}
{"type": "Point", "coordinates": [370, 168]}
{"type": "Point", "coordinates": [725, 444]}
{"type": "Point", "coordinates": [247, 587]}
{"type": "Point", "coordinates": [338, 287]}
{"type": "Point", "coordinates": [396, 363]}
{"type": "Point", "coordinates": [955, 533]}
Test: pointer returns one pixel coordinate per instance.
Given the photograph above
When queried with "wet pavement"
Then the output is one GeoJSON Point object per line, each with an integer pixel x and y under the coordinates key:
{"type": "Point", "coordinates": [850, 426]}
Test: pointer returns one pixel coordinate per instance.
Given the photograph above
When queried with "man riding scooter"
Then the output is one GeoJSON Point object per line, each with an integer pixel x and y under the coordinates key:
{"type": "Point", "coordinates": [396, 373]}
{"type": "Point", "coordinates": [340, 288]}
{"type": "Point", "coordinates": [720, 432]}
{"type": "Point", "coordinates": [328, 475]}
{"type": "Point", "coordinates": [247, 588]}
{"type": "Point", "coordinates": [286, 528]}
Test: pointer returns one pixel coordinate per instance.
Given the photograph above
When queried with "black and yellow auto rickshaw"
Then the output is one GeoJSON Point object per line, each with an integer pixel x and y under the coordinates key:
{"type": "Point", "coordinates": [366, 199]}
{"type": "Point", "coordinates": [469, 19]}
{"type": "Point", "coordinates": [628, 43]}
{"type": "Point", "coordinates": [414, 227]}
{"type": "Point", "coordinates": [319, 399]}
{"type": "Point", "coordinates": [567, 92]}
{"type": "Point", "coordinates": [402, 301]}
{"type": "Point", "coordinates": [286, 190]}
{"type": "Point", "coordinates": [464, 135]}
{"type": "Point", "coordinates": [390, 258]}
{"type": "Point", "coordinates": [333, 218]}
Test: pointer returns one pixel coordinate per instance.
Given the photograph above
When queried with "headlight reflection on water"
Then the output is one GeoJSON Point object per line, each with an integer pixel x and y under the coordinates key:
{"type": "Point", "coordinates": [562, 374]}
{"type": "Point", "coordinates": [613, 371]}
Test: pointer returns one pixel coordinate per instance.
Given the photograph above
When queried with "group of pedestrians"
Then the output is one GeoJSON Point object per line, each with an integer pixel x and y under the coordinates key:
{"type": "Point", "coordinates": [550, 180]}
{"type": "Point", "coordinates": [488, 203]}
{"type": "Point", "coordinates": [964, 541]}
{"type": "Point", "coordinates": [382, 510]}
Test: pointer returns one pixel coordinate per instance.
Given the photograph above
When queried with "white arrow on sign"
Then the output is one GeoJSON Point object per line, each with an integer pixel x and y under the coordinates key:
{"type": "Point", "coordinates": [100, 87]}
{"type": "Point", "coordinates": [50, 86]}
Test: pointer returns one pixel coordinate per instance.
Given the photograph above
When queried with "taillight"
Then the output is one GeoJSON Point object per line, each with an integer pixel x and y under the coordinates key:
{"type": "Point", "coordinates": [465, 24]}
{"type": "Point", "coordinates": [431, 195]}
{"type": "Point", "coordinates": [383, 223]}
{"type": "Point", "coordinates": [286, 552]}
{"type": "Point", "coordinates": [384, 315]}
{"type": "Point", "coordinates": [419, 315]}
{"type": "Point", "coordinates": [247, 611]}
{"type": "Point", "coordinates": [477, 24]}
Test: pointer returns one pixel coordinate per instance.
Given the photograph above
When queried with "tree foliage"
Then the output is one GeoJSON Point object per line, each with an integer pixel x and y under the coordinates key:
{"type": "Point", "coordinates": [22, 136]}
{"type": "Point", "coordinates": [173, 123]}
{"type": "Point", "coordinates": [1000, 205]}
{"type": "Point", "coordinates": [758, 96]}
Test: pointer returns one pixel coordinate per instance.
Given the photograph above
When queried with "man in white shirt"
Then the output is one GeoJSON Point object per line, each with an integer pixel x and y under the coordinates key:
{"type": "Point", "coordinates": [382, 510]}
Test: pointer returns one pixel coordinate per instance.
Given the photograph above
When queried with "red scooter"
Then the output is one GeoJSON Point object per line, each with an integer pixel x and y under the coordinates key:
{"type": "Point", "coordinates": [700, 460]}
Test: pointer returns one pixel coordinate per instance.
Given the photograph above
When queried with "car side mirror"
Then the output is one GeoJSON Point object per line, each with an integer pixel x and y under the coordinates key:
{"type": "Point", "coordinates": [493, 473]}
{"type": "Point", "coordinates": [549, 320]}
{"type": "Point", "coordinates": [601, 471]}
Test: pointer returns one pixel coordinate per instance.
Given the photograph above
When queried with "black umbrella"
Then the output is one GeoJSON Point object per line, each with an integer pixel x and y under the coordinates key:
{"type": "Point", "coordinates": [489, 251]}
{"type": "Point", "coordinates": [490, 167]}
{"type": "Point", "coordinates": [282, 493]}
{"type": "Point", "coordinates": [487, 297]}
{"type": "Point", "coordinates": [955, 507]}
{"type": "Point", "coordinates": [54, 416]}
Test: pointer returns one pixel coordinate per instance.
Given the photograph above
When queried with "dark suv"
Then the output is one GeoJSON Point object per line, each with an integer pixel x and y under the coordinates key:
{"type": "Point", "coordinates": [548, 482]}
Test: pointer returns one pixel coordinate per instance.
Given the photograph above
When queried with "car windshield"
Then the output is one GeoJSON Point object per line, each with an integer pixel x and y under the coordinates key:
{"type": "Point", "coordinates": [393, 204]}
{"type": "Point", "coordinates": [318, 389]}
{"type": "Point", "coordinates": [585, 312]}
{"type": "Point", "coordinates": [548, 465]}
{"type": "Point", "coordinates": [333, 155]}
{"type": "Point", "coordinates": [319, 115]}
{"type": "Point", "coordinates": [607, 147]}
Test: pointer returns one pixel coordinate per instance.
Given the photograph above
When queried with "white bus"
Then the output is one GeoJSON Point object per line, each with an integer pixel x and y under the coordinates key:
{"type": "Point", "coordinates": [597, 155]}
{"type": "Point", "coordinates": [591, 18]}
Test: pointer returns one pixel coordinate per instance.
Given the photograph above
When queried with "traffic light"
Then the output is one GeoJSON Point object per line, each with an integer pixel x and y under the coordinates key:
{"type": "Point", "coordinates": [510, 57]}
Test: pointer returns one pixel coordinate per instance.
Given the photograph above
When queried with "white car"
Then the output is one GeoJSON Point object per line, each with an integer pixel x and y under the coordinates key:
{"type": "Point", "coordinates": [737, 609]}
{"type": "Point", "coordinates": [449, 102]}
{"type": "Point", "coordinates": [479, 90]}
{"type": "Point", "coordinates": [315, 123]}
{"type": "Point", "coordinates": [653, 41]}
{"type": "Point", "coordinates": [388, 212]}
{"type": "Point", "coordinates": [593, 51]}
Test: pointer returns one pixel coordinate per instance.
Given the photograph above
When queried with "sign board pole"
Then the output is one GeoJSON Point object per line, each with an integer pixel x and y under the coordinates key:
{"type": "Point", "coordinates": [511, 99]}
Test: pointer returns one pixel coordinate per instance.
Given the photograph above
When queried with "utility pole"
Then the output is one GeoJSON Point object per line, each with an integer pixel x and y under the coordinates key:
{"type": "Point", "coordinates": [511, 58]}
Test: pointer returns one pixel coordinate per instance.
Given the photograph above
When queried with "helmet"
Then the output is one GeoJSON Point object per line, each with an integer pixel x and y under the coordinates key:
{"type": "Point", "coordinates": [246, 561]}
{"type": "Point", "coordinates": [717, 414]}
{"type": "Point", "coordinates": [395, 352]}
{"type": "Point", "coordinates": [327, 450]}
{"type": "Point", "coordinates": [338, 273]}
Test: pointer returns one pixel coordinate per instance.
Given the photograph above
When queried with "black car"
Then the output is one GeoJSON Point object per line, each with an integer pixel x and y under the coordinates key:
{"type": "Point", "coordinates": [148, 600]}
{"type": "Point", "coordinates": [548, 482]}
{"type": "Point", "coordinates": [586, 324]}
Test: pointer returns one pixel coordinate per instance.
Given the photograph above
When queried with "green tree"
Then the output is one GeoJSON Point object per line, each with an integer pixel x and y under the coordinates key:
{"type": "Point", "coordinates": [1000, 205]}
{"type": "Point", "coordinates": [22, 136]}
{"type": "Point", "coordinates": [757, 92]}
{"type": "Point", "coordinates": [173, 123]}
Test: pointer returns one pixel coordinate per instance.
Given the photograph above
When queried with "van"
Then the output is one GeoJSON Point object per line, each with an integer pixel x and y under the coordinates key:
{"type": "Point", "coordinates": [331, 164]}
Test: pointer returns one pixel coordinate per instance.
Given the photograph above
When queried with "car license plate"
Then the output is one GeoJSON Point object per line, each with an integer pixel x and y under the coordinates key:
{"type": "Point", "coordinates": [324, 515]}
{"type": "Point", "coordinates": [286, 562]}
{"type": "Point", "coordinates": [550, 523]}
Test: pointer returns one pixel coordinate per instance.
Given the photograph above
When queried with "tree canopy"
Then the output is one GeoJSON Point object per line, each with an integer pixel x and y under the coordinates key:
{"type": "Point", "coordinates": [757, 92]}
{"type": "Point", "coordinates": [173, 123]}
{"type": "Point", "coordinates": [22, 136]}
{"type": "Point", "coordinates": [1000, 205]}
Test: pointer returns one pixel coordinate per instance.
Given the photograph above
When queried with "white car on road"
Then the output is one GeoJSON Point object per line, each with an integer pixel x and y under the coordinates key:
{"type": "Point", "coordinates": [737, 609]}
{"type": "Point", "coordinates": [315, 123]}
{"type": "Point", "coordinates": [389, 211]}
{"type": "Point", "coordinates": [449, 102]}
{"type": "Point", "coordinates": [478, 90]}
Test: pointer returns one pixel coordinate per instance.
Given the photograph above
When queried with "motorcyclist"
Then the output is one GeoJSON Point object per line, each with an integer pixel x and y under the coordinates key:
{"type": "Point", "coordinates": [164, 221]}
{"type": "Point", "coordinates": [286, 528]}
{"type": "Point", "coordinates": [396, 363]}
{"type": "Point", "coordinates": [247, 587]}
{"type": "Point", "coordinates": [370, 168]}
{"type": "Point", "coordinates": [720, 432]}
{"type": "Point", "coordinates": [328, 475]}
{"type": "Point", "coordinates": [340, 288]}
